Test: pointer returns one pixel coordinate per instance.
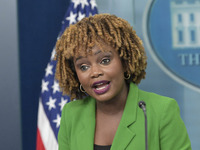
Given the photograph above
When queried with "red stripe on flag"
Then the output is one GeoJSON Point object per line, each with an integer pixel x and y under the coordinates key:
{"type": "Point", "coordinates": [39, 145]}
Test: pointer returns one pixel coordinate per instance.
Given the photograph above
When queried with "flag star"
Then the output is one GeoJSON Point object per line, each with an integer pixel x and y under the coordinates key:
{"type": "Point", "coordinates": [49, 70]}
{"type": "Point", "coordinates": [90, 14]}
{"type": "Point", "coordinates": [57, 121]}
{"type": "Point", "coordinates": [83, 3]}
{"type": "Point", "coordinates": [51, 103]}
{"type": "Point", "coordinates": [55, 87]}
{"type": "Point", "coordinates": [71, 18]}
{"type": "Point", "coordinates": [58, 38]}
{"type": "Point", "coordinates": [62, 103]}
{"type": "Point", "coordinates": [80, 16]}
{"type": "Point", "coordinates": [53, 54]}
{"type": "Point", "coordinates": [45, 86]}
{"type": "Point", "coordinates": [76, 3]}
{"type": "Point", "coordinates": [93, 3]}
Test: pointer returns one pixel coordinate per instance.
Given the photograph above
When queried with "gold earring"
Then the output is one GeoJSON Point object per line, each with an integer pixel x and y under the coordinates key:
{"type": "Point", "coordinates": [81, 88]}
{"type": "Point", "coordinates": [127, 77]}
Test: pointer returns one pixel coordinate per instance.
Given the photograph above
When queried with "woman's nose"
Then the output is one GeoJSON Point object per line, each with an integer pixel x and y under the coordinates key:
{"type": "Point", "coordinates": [96, 72]}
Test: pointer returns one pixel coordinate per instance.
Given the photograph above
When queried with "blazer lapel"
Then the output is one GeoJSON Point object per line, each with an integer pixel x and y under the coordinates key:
{"type": "Point", "coordinates": [125, 134]}
{"type": "Point", "coordinates": [85, 139]}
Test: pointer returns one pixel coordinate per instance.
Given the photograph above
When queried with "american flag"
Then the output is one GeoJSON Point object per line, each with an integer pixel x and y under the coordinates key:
{"type": "Point", "coordinates": [51, 100]}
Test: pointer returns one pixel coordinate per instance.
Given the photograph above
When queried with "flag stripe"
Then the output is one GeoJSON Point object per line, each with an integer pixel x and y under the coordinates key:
{"type": "Point", "coordinates": [46, 133]}
{"type": "Point", "coordinates": [40, 145]}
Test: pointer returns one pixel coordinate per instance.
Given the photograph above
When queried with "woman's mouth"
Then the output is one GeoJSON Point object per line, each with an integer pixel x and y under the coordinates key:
{"type": "Point", "coordinates": [101, 87]}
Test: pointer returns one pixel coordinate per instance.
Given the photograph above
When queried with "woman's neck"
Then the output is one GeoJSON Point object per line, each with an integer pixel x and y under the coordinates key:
{"type": "Point", "coordinates": [113, 106]}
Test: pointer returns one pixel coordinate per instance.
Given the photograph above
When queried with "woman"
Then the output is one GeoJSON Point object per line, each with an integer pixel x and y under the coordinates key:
{"type": "Point", "coordinates": [100, 60]}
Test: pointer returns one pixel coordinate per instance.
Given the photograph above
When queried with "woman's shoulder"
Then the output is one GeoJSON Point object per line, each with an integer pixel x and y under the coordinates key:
{"type": "Point", "coordinates": [160, 109]}
{"type": "Point", "coordinates": [154, 98]}
{"type": "Point", "coordinates": [164, 114]}
{"type": "Point", "coordinates": [157, 101]}
{"type": "Point", "coordinates": [149, 97]}
{"type": "Point", "coordinates": [76, 105]}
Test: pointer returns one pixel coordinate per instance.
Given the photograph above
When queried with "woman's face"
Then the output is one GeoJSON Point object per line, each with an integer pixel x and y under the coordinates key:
{"type": "Point", "coordinates": [102, 74]}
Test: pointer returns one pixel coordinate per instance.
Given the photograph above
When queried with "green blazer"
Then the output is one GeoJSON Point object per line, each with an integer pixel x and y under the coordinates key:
{"type": "Point", "coordinates": [166, 130]}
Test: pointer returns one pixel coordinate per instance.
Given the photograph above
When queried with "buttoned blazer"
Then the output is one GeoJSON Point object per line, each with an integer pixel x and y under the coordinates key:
{"type": "Point", "coordinates": [166, 130]}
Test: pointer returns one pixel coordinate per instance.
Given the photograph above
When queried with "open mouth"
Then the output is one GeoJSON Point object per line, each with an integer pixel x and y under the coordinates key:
{"type": "Point", "coordinates": [101, 87]}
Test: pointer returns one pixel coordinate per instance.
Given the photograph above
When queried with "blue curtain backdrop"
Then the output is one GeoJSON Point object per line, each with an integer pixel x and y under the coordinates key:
{"type": "Point", "coordinates": [39, 24]}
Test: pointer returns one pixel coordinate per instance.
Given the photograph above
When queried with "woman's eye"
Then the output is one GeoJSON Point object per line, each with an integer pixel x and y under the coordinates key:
{"type": "Point", "coordinates": [105, 61]}
{"type": "Point", "coordinates": [84, 67]}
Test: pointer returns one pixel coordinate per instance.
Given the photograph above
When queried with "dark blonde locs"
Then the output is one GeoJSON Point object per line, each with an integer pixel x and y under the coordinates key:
{"type": "Point", "coordinates": [98, 30]}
